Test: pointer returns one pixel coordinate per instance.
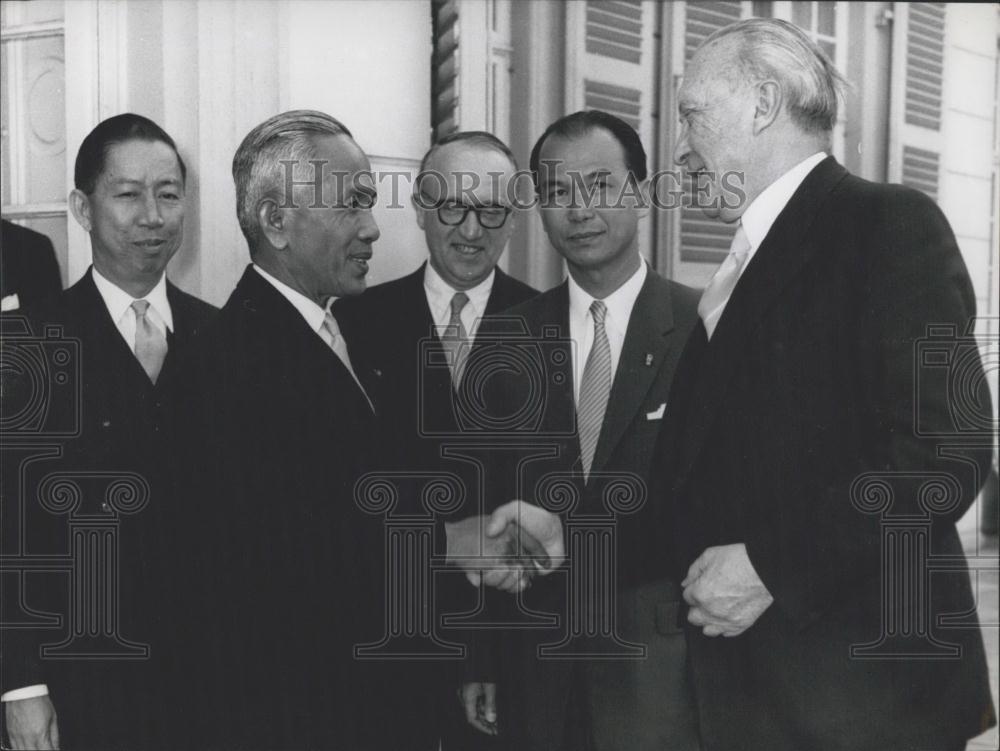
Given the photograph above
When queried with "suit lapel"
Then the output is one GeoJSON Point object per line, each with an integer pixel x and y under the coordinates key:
{"type": "Point", "coordinates": [786, 250]}
{"type": "Point", "coordinates": [643, 353]}
{"type": "Point", "coordinates": [110, 345]}
{"type": "Point", "coordinates": [274, 314]}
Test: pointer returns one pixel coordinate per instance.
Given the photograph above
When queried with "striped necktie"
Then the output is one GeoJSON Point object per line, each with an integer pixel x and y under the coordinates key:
{"type": "Point", "coordinates": [594, 389]}
{"type": "Point", "coordinates": [455, 339]}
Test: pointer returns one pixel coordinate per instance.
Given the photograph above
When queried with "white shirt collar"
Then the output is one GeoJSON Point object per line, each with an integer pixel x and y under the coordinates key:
{"type": "Point", "coordinates": [439, 294]}
{"type": "Point", "coordinates": [765, 208]}
{"type": "Point", "coordinates": [118, 301]}
{"type": "Point", "coordinates": [619, 303]}
{"type": "Point", "coordinates": [308, 309]}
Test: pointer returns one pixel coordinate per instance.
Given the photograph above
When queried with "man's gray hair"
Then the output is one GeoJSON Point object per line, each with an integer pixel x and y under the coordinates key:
{"type": "Point", "coordinates": [257, 168]}
{"type": "Point", "coordinates": [779, 50]}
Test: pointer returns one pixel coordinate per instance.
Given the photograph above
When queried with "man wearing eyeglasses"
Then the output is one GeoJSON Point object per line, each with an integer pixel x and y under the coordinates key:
{"type": "Point", "coordinates": [418, 332]}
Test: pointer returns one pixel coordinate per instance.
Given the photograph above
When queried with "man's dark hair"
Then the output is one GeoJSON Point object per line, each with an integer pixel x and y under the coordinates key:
{"type": "Point", "coordinates": [581, 123]}
{"type": "Point", "coordinates": [473, 138]}
{"type": "Point", "coordinates": [93, 151]}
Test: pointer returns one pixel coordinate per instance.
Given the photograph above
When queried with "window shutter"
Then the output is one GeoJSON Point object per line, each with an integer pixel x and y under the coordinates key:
{"type": "Point", "coordinates": [611, 66]}
{"type": "Point", "coordinates": [702, 239]}
{"type": "Point", "coordinates": [916, 105]}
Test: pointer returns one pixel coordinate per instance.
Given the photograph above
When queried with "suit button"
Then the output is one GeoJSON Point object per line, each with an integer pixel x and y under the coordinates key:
{"type": "Point", "coordinates": [105, 423]}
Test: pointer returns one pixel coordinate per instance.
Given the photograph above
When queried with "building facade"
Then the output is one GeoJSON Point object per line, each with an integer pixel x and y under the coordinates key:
{"type": "Point", "coordinates": [922, 108]}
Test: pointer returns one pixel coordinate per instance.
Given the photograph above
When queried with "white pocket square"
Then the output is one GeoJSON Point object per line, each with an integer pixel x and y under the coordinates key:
{"type": "Point", "coordinates": [657, 414]}
{"type": "Point", "coordinates": [10, 302]}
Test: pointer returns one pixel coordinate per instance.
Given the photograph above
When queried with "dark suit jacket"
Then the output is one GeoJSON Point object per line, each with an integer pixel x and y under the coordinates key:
{"type": "Point", "coordinates": [545, 703]}
{"type": "Point", "coordinates": [284, 568]}
{"type": "Point", "coordinates": [392, 324]}
{"type": "Point", "coordinates": [117, 413]}
{"type": "Point", "coordinates": [28, 266]}
{"type": "Point", "coordinates": [808, 386]}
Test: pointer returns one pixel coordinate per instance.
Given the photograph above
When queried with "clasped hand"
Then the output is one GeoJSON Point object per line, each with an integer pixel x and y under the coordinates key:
{"type": "Point", "coordinates": [508, 547]}
{"type": "Point", "coordinates": [724, 591]}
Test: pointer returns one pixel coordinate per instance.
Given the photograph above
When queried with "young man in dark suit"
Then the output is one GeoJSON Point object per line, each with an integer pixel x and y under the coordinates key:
{"type": "Point", "coordinates": [804, 428]}
{"type": "Point", "coordinates": [620, 327]}
{"type": "Point", "coordinates": [276, 420]}
{"type": "Point", "coordinates": [129, 323]}
{"type": "Point", "coordinates": [29, 271]}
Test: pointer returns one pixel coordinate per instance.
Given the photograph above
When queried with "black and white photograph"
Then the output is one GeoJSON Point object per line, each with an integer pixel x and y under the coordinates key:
{"type": "Point", "coordinates": [499, 375]}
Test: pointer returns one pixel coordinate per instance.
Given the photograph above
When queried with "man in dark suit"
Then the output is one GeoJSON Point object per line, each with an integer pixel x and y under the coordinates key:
{"type": "Point", "coordinates": [431, 315]}
{"type": "Point", "coordinates": [621, 327]}
{"type": "Point", "coordinates": [29, 271]}
{"type": "Point", "coordinates": [801, 430]}
{"type": "Point", "coordinates": [130, 322]}
{"type": "Point", "coordinates": [276, 419]}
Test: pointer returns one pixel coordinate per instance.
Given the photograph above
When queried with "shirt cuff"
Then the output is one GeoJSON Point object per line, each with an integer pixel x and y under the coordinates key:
{"type": "Point", "coordinates": [28, 692]}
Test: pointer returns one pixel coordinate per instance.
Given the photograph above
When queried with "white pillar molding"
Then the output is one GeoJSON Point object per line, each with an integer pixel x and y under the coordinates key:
{"type": "Point", "coordinates": [237, 88]}
{"type": "Point", "coordinates": [96, 48]}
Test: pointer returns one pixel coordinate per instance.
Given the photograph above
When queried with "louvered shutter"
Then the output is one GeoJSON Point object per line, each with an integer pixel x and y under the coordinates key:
{"type": "Point", "coordinates": [702, 242]}
{"type": "Point", "coordinates": [611, 66]}
{"type": "Point", "coordinates": [915, 138]}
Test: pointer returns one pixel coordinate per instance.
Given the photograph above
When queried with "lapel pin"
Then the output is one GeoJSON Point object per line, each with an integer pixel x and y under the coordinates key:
{"type": "Point", "coordinates": [649, 359]}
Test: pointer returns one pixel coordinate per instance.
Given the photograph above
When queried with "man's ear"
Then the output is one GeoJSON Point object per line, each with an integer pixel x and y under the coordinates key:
{"type": "Point", "coordinates": [421, 211]}
{"type": "Point", "coordinates": [79, 205]}
{"type": "Point", "coordinates": [645, 198]}
{"type": "Point", "coordinates": [272, 221]}
{"type": "Point", "coordinates": [768, 104]}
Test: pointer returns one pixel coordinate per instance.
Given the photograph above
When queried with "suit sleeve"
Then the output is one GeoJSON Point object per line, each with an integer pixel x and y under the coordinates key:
{"type": "Point", "coordinates": [915, 279]}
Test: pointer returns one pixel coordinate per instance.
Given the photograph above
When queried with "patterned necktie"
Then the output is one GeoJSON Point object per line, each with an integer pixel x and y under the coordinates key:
{"type": "Point", "coordinates": [150, 342]}
{"type": "Point", "coordinates": [338, 344]}
{"type": "Point", "coordinates": [594, 389]}
{"type": "Point", "coordinates": [455, 339]}
{"type": "Point", "coordinates": [717, 293]}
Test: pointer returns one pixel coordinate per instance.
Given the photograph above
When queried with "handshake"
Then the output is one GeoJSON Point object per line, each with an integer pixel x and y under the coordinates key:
{"type": "Point", "coordinates": [507, 548]}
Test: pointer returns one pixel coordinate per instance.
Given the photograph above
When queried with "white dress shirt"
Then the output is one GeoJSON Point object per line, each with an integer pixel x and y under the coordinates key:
{"type": "Point", "coordinates": [119, 305]}
{"type": "Point", "coordinates": [439, 294]}
{"type": "Point", "coordinates": [761, 214]}
{"type": "Point", "coordinates": [581, 323]}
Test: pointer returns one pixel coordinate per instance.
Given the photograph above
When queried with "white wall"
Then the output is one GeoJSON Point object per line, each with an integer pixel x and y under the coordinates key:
{"type": "Point", "coordinates": [210, 71]}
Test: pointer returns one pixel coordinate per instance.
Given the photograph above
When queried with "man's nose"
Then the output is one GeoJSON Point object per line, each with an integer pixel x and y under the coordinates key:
{"type": "Point", "coordinates": [369, 231]}
{"type": "Point", "coordinates": [151, 214]}
{"type": "Point", "coordinates": [682, 149]}
{"type": "Point", "coordinates": [470, 228]}
{"type": "Point", "coordinates": [580, 209]}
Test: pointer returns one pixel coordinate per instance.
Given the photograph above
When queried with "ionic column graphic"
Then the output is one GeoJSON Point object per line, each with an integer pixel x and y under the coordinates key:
{"type": "Point", "coordinates": [591, 543]}
{"type": "Point", "coordinates": [905, 540]}
{"type": "Point", "coordinates": [93, 563]}
{"type": "Point", "coordinates": [409, 624]}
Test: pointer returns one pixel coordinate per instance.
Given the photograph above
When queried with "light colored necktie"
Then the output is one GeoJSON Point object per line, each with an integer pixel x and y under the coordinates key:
{"type": "Point", "coordinates": [339, 346]}
{"type": "Point", "coordinates": [717, 293]}
{"type": "Point", "coordinates": [150, 342]}
{"type": "Point", "coordinates": [455, 339]}
{"type": "Point", "coordinates": [595, 388]}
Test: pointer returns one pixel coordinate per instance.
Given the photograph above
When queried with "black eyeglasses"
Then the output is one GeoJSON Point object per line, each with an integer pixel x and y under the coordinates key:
{"type": "Point", "coordinates": [453, 214]}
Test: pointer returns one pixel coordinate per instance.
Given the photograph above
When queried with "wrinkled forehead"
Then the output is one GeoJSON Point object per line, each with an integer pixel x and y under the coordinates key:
{"type": "Point", "coordinates": [476, 174]}
{"type": "Point", "coordinates": [710, 73]}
